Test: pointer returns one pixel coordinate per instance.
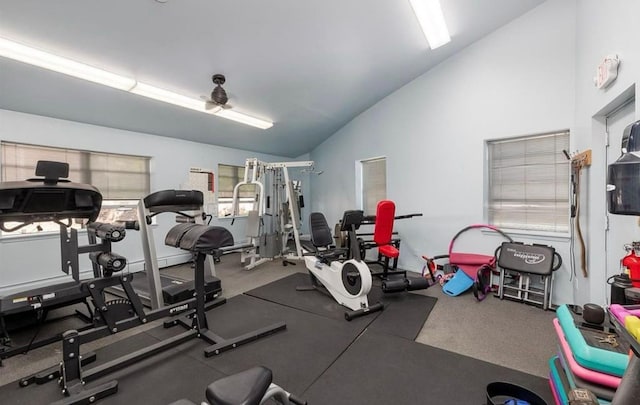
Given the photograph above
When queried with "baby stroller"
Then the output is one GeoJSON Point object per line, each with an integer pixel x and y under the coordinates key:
{"type": "Point", "coordinates": [464, 270]}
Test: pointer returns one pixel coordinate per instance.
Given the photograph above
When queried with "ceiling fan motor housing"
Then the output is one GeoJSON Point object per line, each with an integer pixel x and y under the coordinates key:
{"type": "Point", "coordinates": [219, 95]}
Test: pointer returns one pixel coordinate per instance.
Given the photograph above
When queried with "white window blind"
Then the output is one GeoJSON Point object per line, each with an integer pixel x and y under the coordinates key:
{"type": "Point", "coordinates": [374, 184]}
{"type": "Point", "coordinates": [116, 176]}
{"type": "Point", "coordinates": [228, 177]}
{"type": "Point", "coordinates": [529, 183]}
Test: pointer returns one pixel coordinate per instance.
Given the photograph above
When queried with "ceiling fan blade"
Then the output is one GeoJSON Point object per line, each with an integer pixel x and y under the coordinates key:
{"type": "Point", "coordinates": [210, 105]}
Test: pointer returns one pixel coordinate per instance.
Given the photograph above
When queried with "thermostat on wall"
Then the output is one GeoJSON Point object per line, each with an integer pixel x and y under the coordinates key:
{"type": "Point", "coordinates": [607, 71]}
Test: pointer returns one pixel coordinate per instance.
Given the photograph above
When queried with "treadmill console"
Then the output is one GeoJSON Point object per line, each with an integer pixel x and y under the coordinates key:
{"type": "Point", "coordinates": [47, 199]}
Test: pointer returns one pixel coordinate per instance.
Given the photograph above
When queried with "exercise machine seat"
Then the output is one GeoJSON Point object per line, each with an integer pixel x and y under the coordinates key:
{"type": "Point", "coordinates": [198, 238]}
{"type": "Point", "coordinates": [245, 388]}
{"type": "Point", "coordinates": [320, 231]}
{"type": "Point", "coordinates": [383, 230]}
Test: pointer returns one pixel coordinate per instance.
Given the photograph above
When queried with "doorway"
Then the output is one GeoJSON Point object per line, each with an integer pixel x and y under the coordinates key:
{"type": "Point", "coordinates": [620, 229]}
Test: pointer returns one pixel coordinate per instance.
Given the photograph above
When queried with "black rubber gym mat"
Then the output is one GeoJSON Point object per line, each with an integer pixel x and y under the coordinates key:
{"type": "Point", "coordinates": [297, 355]}
{"type": "Point", "coordinates": [384, 369]}
{"type": "Point", "coordinates": [404, 313]}
{"type": "Point", "coordinates": [161, 379]}
{"type": "Point", "coordinates": [57, 321]}
{"type": "Point", "coordinates": [284, 292]}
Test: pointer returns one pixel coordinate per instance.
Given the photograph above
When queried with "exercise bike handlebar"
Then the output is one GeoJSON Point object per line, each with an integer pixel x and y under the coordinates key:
{"type": "Point", "coordinates": [371, 219]}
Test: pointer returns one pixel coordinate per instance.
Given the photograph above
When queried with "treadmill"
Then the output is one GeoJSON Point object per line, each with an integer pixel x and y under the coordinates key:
{"type": "Point", "coordinates": [49, 198]}
{"type": "Point", "coordinates": [155, 288]}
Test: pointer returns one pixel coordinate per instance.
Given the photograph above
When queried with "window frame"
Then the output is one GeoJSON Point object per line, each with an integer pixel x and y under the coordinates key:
{"type": "Point", "coordinates": [522, 229]}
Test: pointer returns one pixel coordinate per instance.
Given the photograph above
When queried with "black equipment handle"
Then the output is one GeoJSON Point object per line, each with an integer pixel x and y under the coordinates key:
{"type": "Point", "coordinates": [371, 219]}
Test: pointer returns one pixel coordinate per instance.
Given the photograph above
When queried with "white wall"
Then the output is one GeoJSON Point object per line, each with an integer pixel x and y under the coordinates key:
{"type": "Point", "coordinates": [29, 259]}
{"type": "Point", "coordinates": [603, 28]}
{"type": "Point", "coordinates": [518, 80]}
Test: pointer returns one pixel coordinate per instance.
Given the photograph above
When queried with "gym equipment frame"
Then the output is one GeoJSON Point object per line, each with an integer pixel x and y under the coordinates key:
{"type": "Point", "coordinates": [52, 199]}
{"type": "Point", "coordinates": [28, 202]}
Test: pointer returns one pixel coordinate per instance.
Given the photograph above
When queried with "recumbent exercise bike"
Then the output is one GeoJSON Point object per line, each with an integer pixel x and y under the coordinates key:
{"type": "Point", "coordinates": [340, 272]}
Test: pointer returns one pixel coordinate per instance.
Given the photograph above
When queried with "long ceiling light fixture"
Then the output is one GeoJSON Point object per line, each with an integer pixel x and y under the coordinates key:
{"type": "Point", "coordinates": [45, 60]}
{"type": "Point", "coordinates": [431, 19]}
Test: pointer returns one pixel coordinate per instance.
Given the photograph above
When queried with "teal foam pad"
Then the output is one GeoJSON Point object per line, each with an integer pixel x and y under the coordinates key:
{"type": "Point", "coordinates": [559, 380]}
{"type": "Point", "coordinates": [600, 391]}
{"type": "Point", "coordinates": [594, 358]}
{"type": "Point", "coordinates": [458, 284]}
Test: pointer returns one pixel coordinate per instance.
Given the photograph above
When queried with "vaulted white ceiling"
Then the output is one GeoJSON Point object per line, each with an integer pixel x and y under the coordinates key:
{"type": "Point", "coordinates": [310, 66]}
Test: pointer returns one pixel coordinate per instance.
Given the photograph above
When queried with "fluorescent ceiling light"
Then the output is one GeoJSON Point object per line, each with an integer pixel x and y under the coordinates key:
{"type": "Point", "coordinates": [245, 119]}
{"type": "Point", "coordinates": [166, 96]}
{"type": "Point", "coordinates": [22, 53]}
{"type": "Point", "coordinates": [35, 57]}
{"type": "Point", "coordinates": [431, 19]}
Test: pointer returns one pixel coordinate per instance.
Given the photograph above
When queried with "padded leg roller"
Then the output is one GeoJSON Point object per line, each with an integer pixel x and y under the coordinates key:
{"type": "Point", "coordinates": [405, 284]}
{"type": "Point", "coordinates": [391, 286]}
{"type": "Point", "coordinates": [417, 284]}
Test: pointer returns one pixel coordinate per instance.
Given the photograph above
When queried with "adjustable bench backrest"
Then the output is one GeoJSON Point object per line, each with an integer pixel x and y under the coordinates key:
{"type": "Point", "coordinates": [174, 201]}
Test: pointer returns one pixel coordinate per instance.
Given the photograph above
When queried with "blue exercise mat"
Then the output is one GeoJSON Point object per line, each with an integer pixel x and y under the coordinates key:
{"type": "Point", "coordinates": [458, 284]}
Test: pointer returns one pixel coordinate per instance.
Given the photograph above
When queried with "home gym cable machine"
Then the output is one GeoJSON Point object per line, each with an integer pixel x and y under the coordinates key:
{"type": "Point", "coordinates": [283, 205]}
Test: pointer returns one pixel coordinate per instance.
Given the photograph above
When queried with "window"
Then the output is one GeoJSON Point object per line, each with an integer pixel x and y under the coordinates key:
{"type": "Point", "coordinates": [374, 183]}
{"type": "Point", "coordinates": [118, 177]}
{"type": "Point", "coordinates": [528, 183]}
{"type": "Point", "coordinates": [228, 177]}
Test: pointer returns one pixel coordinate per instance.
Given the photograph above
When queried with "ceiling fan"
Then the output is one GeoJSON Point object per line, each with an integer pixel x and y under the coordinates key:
{"type": "Point", "coordinates": [218, 98]}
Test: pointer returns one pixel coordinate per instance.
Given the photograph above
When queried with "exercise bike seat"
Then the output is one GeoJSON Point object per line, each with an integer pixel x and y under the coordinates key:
{"type": "Point", "coordinates": [322, 239]}
{"type": "Point", "coordinates": [245, 388]}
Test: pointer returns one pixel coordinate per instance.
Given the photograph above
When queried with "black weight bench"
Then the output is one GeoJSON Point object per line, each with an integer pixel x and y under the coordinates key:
{"type": "Point", "coordinates": [203, 240]}
{"type": "Point", "coordinates": [521, 262]}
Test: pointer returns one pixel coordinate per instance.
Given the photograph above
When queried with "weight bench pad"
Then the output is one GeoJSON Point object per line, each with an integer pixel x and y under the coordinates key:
{"type": "Point", "coordinates": [198, 238]}
{"type": "Point", "coordinates": [247, 387]}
